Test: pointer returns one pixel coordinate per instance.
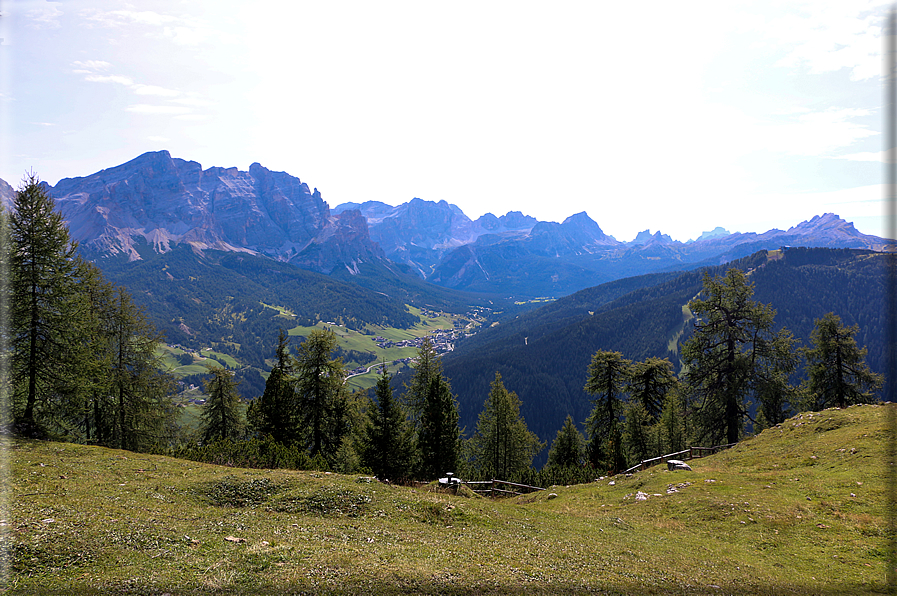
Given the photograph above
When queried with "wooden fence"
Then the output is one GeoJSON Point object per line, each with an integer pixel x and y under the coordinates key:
{"type": "Point", "coordinates": [687, 454]}
{"type": "Point", "coordinates": [491, 487]}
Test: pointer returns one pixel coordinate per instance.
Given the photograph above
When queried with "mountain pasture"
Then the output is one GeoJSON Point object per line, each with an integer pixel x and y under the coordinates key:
{"type": "Point", "coordinates": [798, 509]}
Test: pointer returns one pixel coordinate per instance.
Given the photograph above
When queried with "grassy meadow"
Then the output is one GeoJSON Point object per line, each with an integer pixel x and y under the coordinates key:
{"type": "Point", "coordinates": [799, 509]}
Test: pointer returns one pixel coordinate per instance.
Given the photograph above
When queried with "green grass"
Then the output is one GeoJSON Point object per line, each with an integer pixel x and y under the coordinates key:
{"type": "Point", "coordinates": [797, 510]}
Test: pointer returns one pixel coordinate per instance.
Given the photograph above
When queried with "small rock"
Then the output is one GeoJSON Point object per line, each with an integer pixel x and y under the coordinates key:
{"type": "Point", "coordinates": [640, 496]}
{"type": "Point", "coordinates": [234, 539]}
{"type": "Point", "coordinates": [852, 495]}
{"type": "Point", "coordinates": [611, 483]}
{"type": "Point", "coordinates": [677, 464]}
{"type": "Point", "coordinates": [552, 496]}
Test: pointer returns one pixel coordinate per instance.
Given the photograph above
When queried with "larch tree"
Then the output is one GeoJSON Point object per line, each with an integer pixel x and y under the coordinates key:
{"type": "Point", "coordinates": [221, 415]}
{"type": "Point", "coordinates": [649, 382]}
{"type": "Point", "coordinates": [732, 345]}
{"type": "Point", "coordinates": [607, 377]}
{"type": "Point", "coordinates": [318, 382]}
{"type": "Point", "coordinates": [276, 413]}
{"type": "Point", "coordinates": [836, 367]}
{"type": "Point", "coordinates": [568, 448]}
{"type": "Point", "coordinates": [42, 260]}
{"type": "Point", "coordinates": [502, 445]}
{"type": "Point", "coordinates": [388, 442]}
{"type": "Point", "coordinates": [439, 437]}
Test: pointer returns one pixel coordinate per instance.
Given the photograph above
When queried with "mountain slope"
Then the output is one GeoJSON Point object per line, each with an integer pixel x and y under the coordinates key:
{"type": "Point", "coordinates": [544, 354]}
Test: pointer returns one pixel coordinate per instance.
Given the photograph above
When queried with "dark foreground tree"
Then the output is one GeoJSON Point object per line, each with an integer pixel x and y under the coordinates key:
{"type": "Point", "coordinates": [608, 374]}
{"type": "Point", "coordinates": [388, 442]}
{"type": "Point", "coordinates": [836, 367]}
{"type": "Point", "coordinates": [275, 412]}
{"type": "Point", "coordinates": [221, 415]}
{"type": "Point", "coordinates": [502, 445]}
{"type": "Point", "coordinates": [568, 448]}
{"type": "Point", "coordinates": [732, 355]}
{"type": "Point", "coordinates": [319, 383]}
{"type": "Point", "coordinates": [439, 438]}
{"type": "Point", "coordinates": [42, 262]}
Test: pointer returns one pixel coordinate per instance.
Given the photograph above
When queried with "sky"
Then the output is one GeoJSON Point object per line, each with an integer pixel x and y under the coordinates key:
{"type": "Point", "coordinates": [677, 117]}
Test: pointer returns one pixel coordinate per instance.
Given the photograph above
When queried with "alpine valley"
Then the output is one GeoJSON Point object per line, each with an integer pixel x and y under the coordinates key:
{"type": "Point", "coordinates": [222, 259]}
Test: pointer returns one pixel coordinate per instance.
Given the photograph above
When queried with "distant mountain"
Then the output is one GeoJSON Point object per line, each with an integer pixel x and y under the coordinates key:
{"type": "Point", "coordinates": [543, 355]}
{"type": "Point", "coordinates": [7, 194]}
{"type": "Point", "coordinates": [714, 233]}
{"type": "Point", "coordinates": [160, 202]}
{"type": "Point", "coordinates": [549, 261]}
{"type": "Point", "coordinates": [418, 233]}
{"type": "Point", "coordinates": [166, 201]}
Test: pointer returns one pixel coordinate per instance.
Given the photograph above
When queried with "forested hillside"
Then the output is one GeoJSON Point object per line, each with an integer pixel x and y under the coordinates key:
{"type": "Point", "coordinates": [227, 300]}
{"type": "Point", "coordinates": [543, 355]}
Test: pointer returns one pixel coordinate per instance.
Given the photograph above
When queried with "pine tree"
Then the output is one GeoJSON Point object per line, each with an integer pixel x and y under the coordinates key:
{"type": "Point", "coordinates": [649, 382]}
{"type": "Point", "coordinates": [728, 355]}
{"type": "Point", "coordinates": [388, 448]}
{"type": "Point", "coordinates": [639, 436]}
{"type": "Point", "coordinates": [838, 375]}
{"type": "Point", "coordinates": [608, 374]}
{"type": "Point", "coordinates": [502, 445]}
{"type": "Point", "coordinates": [41, 265]}
{"type": "Point", "coordinates": [439, 439]}
{"type": "Point", "coordinates": [141, 390]}
{"type": "Point", "coordinates": [672, 424]}
{"type": "Point", "coordinates": [275, 412]}
{"type": "Point", "coordinates": [221, 415]}
{"type": "Point", "coordinates": [427, 366]}
{"type": "Point", "coordinates": [320, 393]}
{"type": "Point", "coordinates": [568, 448]}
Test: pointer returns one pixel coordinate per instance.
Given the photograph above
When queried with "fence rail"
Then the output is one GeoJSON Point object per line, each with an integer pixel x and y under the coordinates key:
{"type": "Point", "coordinates": [494, 491]}
{"type": "Point", "coordinates": [687, 454]}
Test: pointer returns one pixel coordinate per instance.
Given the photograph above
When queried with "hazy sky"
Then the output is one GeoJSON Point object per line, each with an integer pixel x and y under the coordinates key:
{"type": "Point", "coordinates": [677, 116]}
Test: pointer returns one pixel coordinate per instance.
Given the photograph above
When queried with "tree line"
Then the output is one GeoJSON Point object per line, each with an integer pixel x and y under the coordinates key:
{"type": "Point", "coordinates": [83, 368]}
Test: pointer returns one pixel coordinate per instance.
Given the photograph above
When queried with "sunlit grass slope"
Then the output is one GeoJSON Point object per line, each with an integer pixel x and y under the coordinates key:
{"type": "Point", "coordinates": [799, 509]}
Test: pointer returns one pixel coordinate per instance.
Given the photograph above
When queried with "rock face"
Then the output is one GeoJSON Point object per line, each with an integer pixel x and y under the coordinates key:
{"type": "Point", "coordinates": [419, 233]}
{"type": "Point", "coordinates": [165, 201]}
{"type": "Point", "coordinates": [7, 194]}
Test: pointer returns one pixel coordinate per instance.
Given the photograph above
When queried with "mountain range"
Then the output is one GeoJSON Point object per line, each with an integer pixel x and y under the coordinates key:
{"type": "Point", "coordinates": [156, 202]}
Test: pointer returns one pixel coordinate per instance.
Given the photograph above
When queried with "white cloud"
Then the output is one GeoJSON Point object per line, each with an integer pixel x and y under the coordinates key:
{"type": "Point", "coordinates": [143, 108]}
{"type": "Point", "coordinates": [827, 37]}
{"type": "Point", "coordinates": [186, 36]}
{"type": "Point", "coordinates": [91, 65]}
{"type": "Point", "coordinates": [877, 156]}
{"type": "Point", "coordinates": [154, 90]}
{"type": "Point", "coordinates": [193, 117]}
{"type": "Point", "coordinates": [119, 18]}
{"type": "Point", "coordinates": [94, 78]}
{"type": "Point", "coordinates": [46, 17]}
{"type": "Point", "coordinates": [192, 101]}
{"type": "Point", "coordinates": [158, 139]}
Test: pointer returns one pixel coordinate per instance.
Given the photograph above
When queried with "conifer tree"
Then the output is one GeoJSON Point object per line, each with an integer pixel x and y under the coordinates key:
{"type": "Point", "coordinates": [427, 366]}
{"type": "Point", "coordinates": [837, 371]}
{"type": "Point", "coordinates": [221, 415]}
{"type": "Point", "coordinates": [673, 424]}
{"type": "Point", "coordinates": [502, 445]}
{"type": "Point", "coordinates": [275, 412]}
{"type": "Point", "coordinates": [439, 438]}
{"type": "Point", "coordinates": [649, 382]}
{"type": "Point", "coordinates": [639, 436]}
{"type": "Point", "coordinates": [568, 448]}
{"type": "Point", "coordinates": [42, 261]}
{"type": "Point", "coordinates": [388, 448]}
{"type": "Point", "coordinates": [732, 355]}
{"type": "Point", "coordinates": [320, 393]}
{"type": "Point", "coordinates": [608, 373]}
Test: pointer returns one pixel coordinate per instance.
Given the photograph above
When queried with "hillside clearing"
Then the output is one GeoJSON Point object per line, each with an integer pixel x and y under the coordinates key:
{"type": "Point", "coordinates": [799, 509]}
